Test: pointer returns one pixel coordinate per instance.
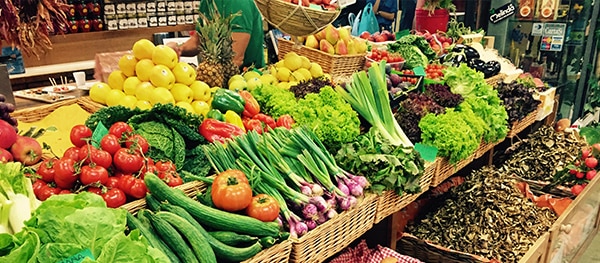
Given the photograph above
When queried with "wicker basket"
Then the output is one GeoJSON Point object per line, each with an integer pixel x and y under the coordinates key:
{"type": "Point", "coordinates": [520, 125]}
{"type": "Point", "coordinates": [90, 105]}
{"type": "Point", "coordinates": [495, 79]}
{"type": "Point", "coordinates": [34, 114]}
{"type": "Point", "coordinates": [335, 65]}
{"type": "Point", "coordinates": [295, 19]}
{"type": "Point", "coordinates": [483, 148]}
{"type": "Point", "coordinates": [334, 235]}
{"type": "Point", "coordinates": [389, 202]}
{"type": "Point", "coordinates": [279, 253]}
{"type": "Point", "coordinates": [427, 252]}
{"type": "Point", "coordinates": [190, 189]}
{"type": "Point", "coordinates": [445, 169]}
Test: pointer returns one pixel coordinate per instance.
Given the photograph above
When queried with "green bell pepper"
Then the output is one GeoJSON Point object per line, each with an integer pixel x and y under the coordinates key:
{"type": "Point", "coordinates": [225, 100]}
{"type": "Point", "coordinates": [215, 114]}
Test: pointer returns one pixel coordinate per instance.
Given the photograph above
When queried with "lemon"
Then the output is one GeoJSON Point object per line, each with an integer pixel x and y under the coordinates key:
{"type": "Point", "coordinates": [297, 76]}
{"type": "Point", "coordinates": [115, 79]}
{"type": "Point", "coordinates": [143, 91]}
{"type": "Point", "coordinates": [305, 73]}
{"type": "Point", "coordinates": [251, 74]}
{"type": "Point", "coordinates": [254, 83]}
{"type": "Point", "coordinates": [316, 70]}
{"type": "Point", "coordinates": [238, 85]}
{"type": "Point", "coordinates": [184, 73]}
{"type": "Point", "coordinates": [292, 62]}
{"type": "Point", "coordinates": [143, 105]}
{"type": "Point", "coordinates": [182, 92]}
{"type": "Point", "coordinates": [130, 84]}
{"type": "Point", "coordinates": [283, 74]}
{"type": "Point", "coordinates": [127, 64]}
{"type": "Point", "coordinates": [200, 107]}
{"type": "Point", "coordinates": [235, 77]}
{"type": "Point", "coordinates": [162, 76]}
{"type": "Point", "coordinates": [161, 95]}
{"type": "Point", "coordinates": [143, 69]}
{"type": "Point", "coordinates": [305, 62]}
{"type": "Point", "coordinates": [128, 101]}
{"type": "Point", "coordinates": [143, 49]}
{"type": "Point", "coordinates": [186, 105]}
{"type": "Point", "coordinates": [201, 90]}
{"type": "Point", "coordinates": [166, 56]}
{"type": "Point", "coordinates": [268, 79]}
{"type": "Point", "coordinates": [114, 97]}
{"type": "Point", "coordinates": [98, 92]}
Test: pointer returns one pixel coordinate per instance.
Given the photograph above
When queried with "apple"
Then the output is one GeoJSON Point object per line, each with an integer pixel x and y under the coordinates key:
{"type": "Point", "coordinates": [576, 189]}
{"type": "Point", "coordinates": [585, 153]}
{"type": "Point", "coordinates": [591, 162]}
{"type": "Point", "coordinates": [579, 175]}
{"type": "Point", "coordinates": [5, 156]}
{"type": "Point", "coordinates": [8, 135]}
{"type": "Point", "coordinates": [365, 35]}
{"type": "Point", "coordinates": [184, 73]}
{"type": "Point", "coordinates": [26, 150]}
{"type": "Point", "coordinates": [590, 174]}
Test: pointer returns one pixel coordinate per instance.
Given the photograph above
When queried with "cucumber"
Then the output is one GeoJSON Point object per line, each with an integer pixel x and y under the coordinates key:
{"type": "Point", "coordinates": [211, 217]}
{"type": "Point", "coordinates": [152, 203]}
{"type": "Point", "coordinates": [148, 233]}
{"type": "Point", "coordinates": [198, 243]}
{"type": "Point", "coordinates": [233, 238]}
{"type": "Point", "coordinates": [173, 239]}
{"type": "Point", "coordinates": [222, 251]}
{"type": "Point", "coordinates": [268, 242]}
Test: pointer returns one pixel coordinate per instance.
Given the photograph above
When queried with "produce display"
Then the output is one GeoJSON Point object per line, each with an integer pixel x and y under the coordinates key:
{"type": "Point", "coordinates": [467, 54]}
{"type": "Point", "coordinates": [335, 41]}
{"type": "Point", "coordinates": [517, 99]}
{"type": "Point", "coordinates": [290, 71]}
{"type": "Point", "coordinates": [415, 50]}
{"type": "Point", "coordinates": [6, 109]}
{"type": "Point", "coordinates": [378, 37]}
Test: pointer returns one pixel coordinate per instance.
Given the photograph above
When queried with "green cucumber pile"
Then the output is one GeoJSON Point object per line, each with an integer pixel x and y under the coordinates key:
{"type": "Point", "coordinates": [188, 231]}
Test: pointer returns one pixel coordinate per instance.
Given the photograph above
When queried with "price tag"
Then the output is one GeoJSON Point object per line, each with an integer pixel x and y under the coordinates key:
{"type": "Point", "coordinates": [419, 71]}
{"type": "Point", "coordinates": [79, 257]}
{"type": "Point", "coordinates": [98, 133]}
{"type": "Point", "coordinates": [428, 153]}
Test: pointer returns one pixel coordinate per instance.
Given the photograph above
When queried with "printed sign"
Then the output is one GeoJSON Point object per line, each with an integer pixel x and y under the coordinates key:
{"type": "Point", "coordinates": [501, 13]}
{"type": "Point", "coordinates": [537, 29]}
{"type": "Point", "coordinates": [553, 37]}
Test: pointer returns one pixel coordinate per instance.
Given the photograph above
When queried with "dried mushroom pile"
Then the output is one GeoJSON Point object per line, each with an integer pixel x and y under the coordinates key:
{"type": "Point", "coordinates": [486, 216]}
{"type": "Point", "coordinates": [542, 154]}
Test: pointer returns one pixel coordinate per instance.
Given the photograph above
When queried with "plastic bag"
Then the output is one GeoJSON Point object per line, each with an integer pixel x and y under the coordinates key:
{"type": "Point", "coordinates": [13, 59]}
{"type": "Point", "coordinates": [364, 21]}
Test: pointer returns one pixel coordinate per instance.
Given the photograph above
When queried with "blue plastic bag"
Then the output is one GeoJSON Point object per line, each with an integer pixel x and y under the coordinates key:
{"type": "Point", "coordinates": [364, 21]}
{"type": "Point", "coordinates": [13, 59]}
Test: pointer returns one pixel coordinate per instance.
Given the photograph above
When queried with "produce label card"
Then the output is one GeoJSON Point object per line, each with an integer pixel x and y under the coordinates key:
{"type": "Point", "coordinates": [79, 257]}
{"type": "Point", "coordinates": [428, 153]}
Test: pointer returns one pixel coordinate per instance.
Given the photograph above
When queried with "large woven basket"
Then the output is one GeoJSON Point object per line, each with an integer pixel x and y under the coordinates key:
{"type": "Point", "coordinates": [295, 19]}
{"type": "Point", "coordinates": [87, 103]}
{"type": "Point", "coordinates": [445, 169]}
{"type": "Point", "coordinates": [279, 253]}
{"type": "Point", "coordinates": [335, 65]}
{"type": "Point", "coordinates": [335, 235]}
{"type": "Point", "coordinates": [427, 252]}
{"type": "Point", "coordinates": [389, 202]}
{"type": "Point", "coordinates": [483, 148]}
{"type": "Point", "coordinates": [34, 114]}
{"type": "Point", "coordinates": [520, 125]}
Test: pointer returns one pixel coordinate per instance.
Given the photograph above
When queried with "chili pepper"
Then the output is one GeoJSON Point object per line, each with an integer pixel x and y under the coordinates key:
{"type": "Point", "coordinates": [251, 106]}
{"type": "Point", "coordinates": [285, 121]}
{"type": "Point", "coordinates": [215, 130]}
{"type": "Point", "coordinates": [215, 114]}
{"type": "Point", "coordinates": [225, 100]}
{"type": "Point", "coordinates": [235, 119]}
{"type": "Point", "coordinates": [268, 120]}
{"type": "Point", "coordinates": [254, 125]}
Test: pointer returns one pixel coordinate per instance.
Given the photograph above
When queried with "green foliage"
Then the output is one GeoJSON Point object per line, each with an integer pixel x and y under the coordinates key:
{"type": "Point", "coordinates": [274, 101]}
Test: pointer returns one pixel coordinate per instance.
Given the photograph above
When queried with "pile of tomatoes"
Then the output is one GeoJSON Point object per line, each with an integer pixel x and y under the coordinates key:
{"type": "Point", "coordinates": [115, 170]}
{"type": "Point", "coordinates": [434, 71]}
{"type": "Point", "coordinates": [408, 78]}
{"type": "Point", "coordinates": [392, 59]}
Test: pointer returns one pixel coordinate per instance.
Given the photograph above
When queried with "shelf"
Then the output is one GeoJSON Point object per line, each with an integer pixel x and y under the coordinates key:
{"type": "Point", "coordinates": [541, 21]}
{"type": "Point", "coordinates": [52, 69]}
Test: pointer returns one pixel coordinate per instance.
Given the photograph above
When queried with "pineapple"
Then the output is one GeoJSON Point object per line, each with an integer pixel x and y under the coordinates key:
{"type": "Point", "coordinates": [215, 48]}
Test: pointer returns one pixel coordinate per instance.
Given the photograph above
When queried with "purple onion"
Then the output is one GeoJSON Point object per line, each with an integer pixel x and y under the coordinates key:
{"type": "Point", "coordinates": [317, 189]}
{"type": "Point", "coordinates": [305, 189]}
{"type": "Point", "coordinates": [353, 201]}
{"type": "Point", "coordinates": [280, 221]}
{"type": "Point", "coordinates": [361, 180]}
{"type": "Point", "coordinates": [311, 224]}
{"type": "Point", "coordinates": [320, 202]}
{"type": "Point", "coordinates": [355, 188]}
{"type": "Point", "coordinates": [345, 203]}
{"type": "Point", "coordinates": [310, 211]}
{"type": "Point", "coordinates": [321, 218]}
{"type": "Point", "coordinates": [301, 228]}
{"type": "Point", "coordinates": [331, 213]}
{"type": "Point", "coordinates": [343, 187]}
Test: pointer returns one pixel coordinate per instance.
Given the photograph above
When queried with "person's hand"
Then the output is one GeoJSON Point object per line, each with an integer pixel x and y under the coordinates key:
{"type": "Point", "coordinates": [175, 47]}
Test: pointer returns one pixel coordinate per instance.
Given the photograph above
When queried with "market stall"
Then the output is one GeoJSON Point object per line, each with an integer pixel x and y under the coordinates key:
{"type": "Point", "coordinates": [295, 161]}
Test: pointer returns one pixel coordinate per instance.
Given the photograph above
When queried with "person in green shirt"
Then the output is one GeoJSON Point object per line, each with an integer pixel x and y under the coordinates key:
{"type": "Point", "coordinates": [247, 35]}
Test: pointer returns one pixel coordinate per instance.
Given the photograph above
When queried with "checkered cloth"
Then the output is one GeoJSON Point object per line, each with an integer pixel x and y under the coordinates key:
{"type": "Point", "coordinates": [363, 254]}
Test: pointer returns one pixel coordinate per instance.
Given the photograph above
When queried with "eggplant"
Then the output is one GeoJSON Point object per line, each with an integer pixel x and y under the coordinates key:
{"type": "Point", "coordinates": [471, 53]}
{"type": "Point", "coordinates": [491, 68]}
{"type": "Point", "coordinates": [458, 48]}
{"type": "Point", "coordinates": [476, 64]}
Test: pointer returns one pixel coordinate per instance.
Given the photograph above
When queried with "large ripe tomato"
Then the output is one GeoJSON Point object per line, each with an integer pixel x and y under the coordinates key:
{"type": "Point", "coordinates": [171, 178]}
{"type": "Point", "coordinates": [127, 161]}
{"type": "Point", "coordinates": [72, 153]}
{"type": "Point", "coordinates": [120, 128]}
{"type": "Point", "coordinates": [46, 170]}
{"type": "Point", "coordinates": [112, 182]}
{"type": "Point", "coordinates": [110, 143]}
{"type": "Point", "coordinates": [165, 166]}
{"type": "Point", "coordinates": [114, 198]}
{"type": "Point", "coordinates": [133, 187]}
{"type": "Point", "coordinates": [263, 207]}
{"type": "Point", "coordinates": [230, 192]}
{"type": "Point", "coordinates": [65, 173]}
{"type": "Point", "coordinates": [93, 174]}
{"type": "Point", "coordinates": [79, 133]}
{"type": "Point", "coordinates": [90, 154]}
{"type": "Point", "coordinates": [137, 143]}
{"type": "Point", "coordinates": [46, 191]}
{"type": "Point", "coordinates": [37, 185]}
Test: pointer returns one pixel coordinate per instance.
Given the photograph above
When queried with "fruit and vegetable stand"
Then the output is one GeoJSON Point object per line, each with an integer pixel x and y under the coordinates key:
{"type": "Point", "coordinates": [295, 161]}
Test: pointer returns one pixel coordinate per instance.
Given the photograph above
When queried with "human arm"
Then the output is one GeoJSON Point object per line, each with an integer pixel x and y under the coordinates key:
{"type": "Point", "coordinates": [384, 14]}
{"type": "Point", "coordinates": [240, 43]}
{"type": "Point", "coordinates": [189, 48]}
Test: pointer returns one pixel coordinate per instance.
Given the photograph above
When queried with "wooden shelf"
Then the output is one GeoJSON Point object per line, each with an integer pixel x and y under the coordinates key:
{"type": "Point", "coordinates": [83, 46]}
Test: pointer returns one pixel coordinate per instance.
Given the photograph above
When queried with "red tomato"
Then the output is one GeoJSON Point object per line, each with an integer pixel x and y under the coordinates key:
{"type": "Point", "coordinates": [112, 182]}
{"type": "Point", "coordinates": [128, 162]}
{"type": "Point", "coordinates": [230, 192]}
{"type": "Point", "coordinates": [37, 185]}
{"type": "Point", "coordinates": [93, 174]}
{"type": "Point", "coordinates": [148, 168]}
{"type": "Point", "coordinates": [72, 153]}
{"type": "Point", "coordinates": [120, 128]}
{"type": "Point", "coordinates": [95, 190]}
{"type": "Point", "coordinates": [46, 170]}
{"type": "Point", "coordinates": [90, 154]}
{"type": "Point", "coordinates": [133, 187]}
{"type": "Point", "coordinates": [165, 166]}
{"type": "Point", "coordinates": [137, 142]}
{"type": "Point", "coordinates": [114, 198]}
{"type": "Point", "coordinates": [65, 173]}
{"type": "Point", "coordinates": [171, 178]}
{"type": "Point", "coordinates": [65, 192]}
{"type": "Point", "coordinates": [110, 143]}
{"type": "Point", "coordinates": [263, 207]}
{"type": "Point", "coordinates": [46, 191]}
{"type": "Point", "coordinates": [79, 133]}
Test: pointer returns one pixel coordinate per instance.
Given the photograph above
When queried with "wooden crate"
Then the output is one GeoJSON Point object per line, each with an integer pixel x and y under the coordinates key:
{"type": "Point", "coordinates": [445, 169]}
{"type": "Point", "coordinates": [335, 65]}
{"type": "Point", "coordinates": [520, 125]}
{"type": "Point", "coordinates": [334, 235]}
{"type": "Point", "coordinates": [389, 202]}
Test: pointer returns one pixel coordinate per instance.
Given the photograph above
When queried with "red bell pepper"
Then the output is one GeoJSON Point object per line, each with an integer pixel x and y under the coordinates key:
{"type": "Point", "coordinates": [251, 106]}
{"type": "Point", "coordinates": [215, 130]}
{"type": "Point", "coordinates": [285, 121]}
{"type": "Point", "coordinates": [268, 120]}
{"type": "Point", "coordinates": [254, 125]}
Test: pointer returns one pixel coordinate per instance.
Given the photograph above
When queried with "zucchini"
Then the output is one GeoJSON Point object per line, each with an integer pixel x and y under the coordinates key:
{"type": "Point", "coordinates": [173, 239]}
{"type": "Point", "coordinates": [152, 203]}
{"type": "Point", "coordinates": [148, 233]}
{"type": "Point", "coordinates": [222, 251]}
{"type": "Point", "coordinates": [211, 217]}
{"type": "Point", "coordinates": [198, 243]}
{"type": "Point", "coordinates": [233, 238]}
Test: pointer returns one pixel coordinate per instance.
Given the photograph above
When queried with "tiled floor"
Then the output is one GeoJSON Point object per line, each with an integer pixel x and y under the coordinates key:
{"type": "Point", "coordinates": [592, 253]}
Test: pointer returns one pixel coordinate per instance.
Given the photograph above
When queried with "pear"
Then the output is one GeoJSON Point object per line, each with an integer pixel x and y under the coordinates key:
{"type": "Point", "coordinates": [344, 33]}
{"type": "Point", "coordinates": [326, 47]}
{"type": "Point", "coordinates": [331, 34]}
{"type": "Point", "coordinates": [341, 48]}
{"type": "Point", "coordinates": [320, 35]}
{"type": "Point", "coordinates": [351, 45]}
{"type": "Point", "coordinates": [312, 42]}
